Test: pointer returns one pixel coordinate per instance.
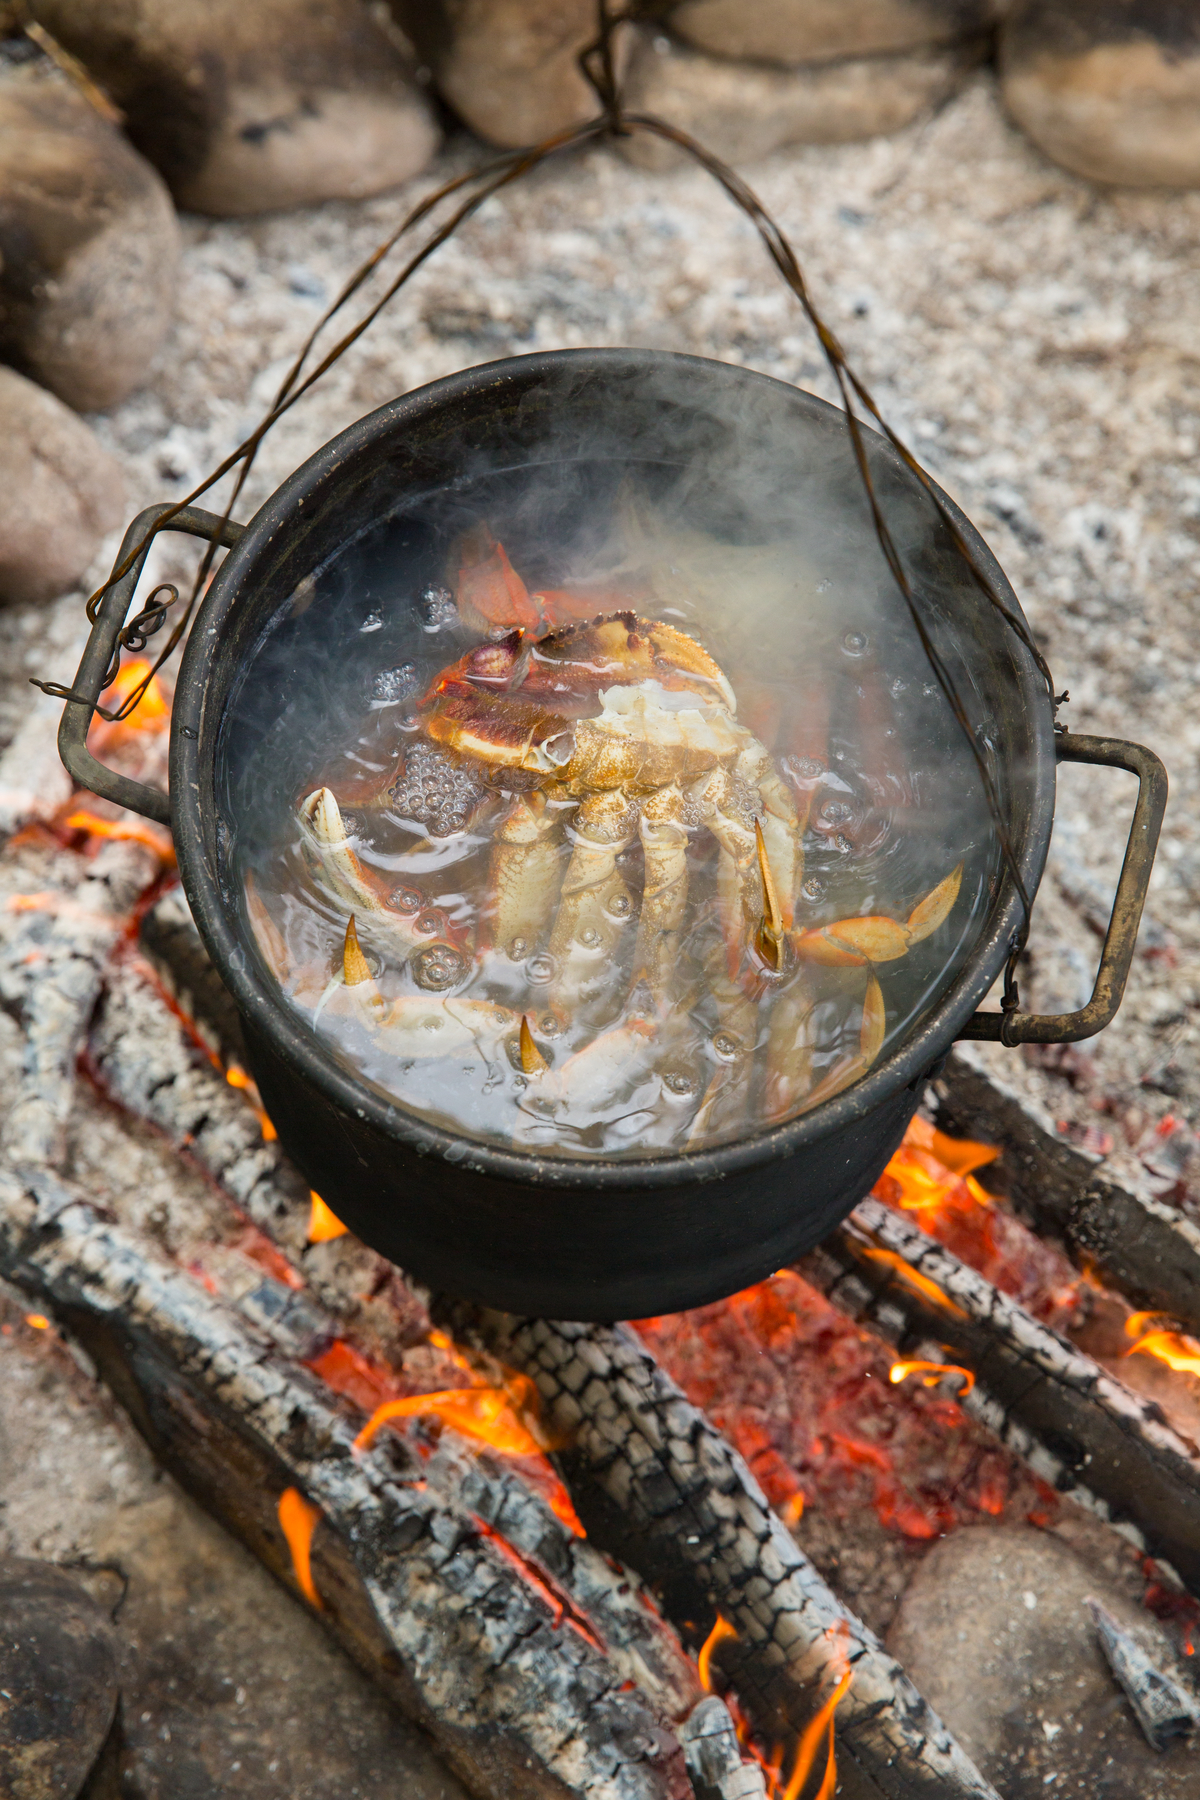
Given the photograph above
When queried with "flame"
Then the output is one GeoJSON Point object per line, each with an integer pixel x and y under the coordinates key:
{"type": "Point", "coordinates": [1175, 1348]}
{"type": "Point", "coordinates": [931, 1373]}
{"type": "Point", "coordinates": [923, 1284]}
{"type": "Point", "coordinates": [792, 1511]}
{"type": "Point", "coordinates": [322, 1223]}
{"type": "Point", "coordinates": [132, 831]}
{"type": "Point", "coordinates": [821, 1725]}
{"type": "Point", "coordinates": [152, 708]}
{"type": "Point", "coordinates": [238, 1078]}
{"type": "Point", "coordinates": [1140, 1322]}
{"type": "Point", "coordinates": [722, 1629]}
{"type": "Point", "coordinates": [960, 1155]}
{"type": "Point", "coordinates": [485, 1413]}
{"type": "Point", "coordinates": [39, 1321]}
{"type": "Point", "coordinates": [298, 1519]}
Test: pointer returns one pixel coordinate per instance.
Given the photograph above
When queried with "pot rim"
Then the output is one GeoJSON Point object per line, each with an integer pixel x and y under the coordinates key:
{"type": "Point", "coordinates": [194, 735]}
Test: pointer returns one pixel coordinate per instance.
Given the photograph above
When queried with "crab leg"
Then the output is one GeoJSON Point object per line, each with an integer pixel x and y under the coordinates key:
{"type": "Point", "coordinates": [342, 874]}
{"type": "Point", "coordinates": [487, 587]}
{"type": "Point", "coordinates": [853, 943]}
{"type": "Point", "coordinates": [741, 898]}
{"type": "Point", "coordinates": [596, 904]}
{"type": "Point", "coordinates": [664, 899]}
{"type": "Point", "coordinates": [791, 1036]}
{"type": "Point", "coordinates": [726, 1098]}
{"type": "Point", "coordinates": [525, 874]}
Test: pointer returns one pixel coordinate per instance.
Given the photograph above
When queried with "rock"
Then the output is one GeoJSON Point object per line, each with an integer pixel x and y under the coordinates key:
{"type": "Point", "coordinates": [59, 493]}
{"type": "Point", "coordinates": [58, 1681]}
{"type": "Point", "coordinates": [744, 110]}
{"type": "Point", "coordinates": [509, 68]}
{"type": "Point", "coordinates": [246, 108]}
{"type": "Point", "coordinates": [1109, 88]}
{"type": "Point", "coordinates": [995, 1631]}
{"type": "Point", "coordinates": [798, 31]}
{"type": "Point", "coordinates": [89, 243]}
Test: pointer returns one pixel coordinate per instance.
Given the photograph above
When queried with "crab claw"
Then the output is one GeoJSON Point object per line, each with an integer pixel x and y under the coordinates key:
{"type": "Point", "coordinates": [853, 943]}
{"type": "Point", "coordinates": [342, 874]}
{"type": "Point", "coordinates": [487, 588]}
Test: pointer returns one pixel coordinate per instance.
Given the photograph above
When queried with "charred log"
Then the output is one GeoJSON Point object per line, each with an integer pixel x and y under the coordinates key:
{"type": "Point", "coordinates": [659, 1486]}
{"type": "Point", "coordinates": [1145, 1248]}
{"type": "Point", "coordinates": [1073, 1422]}
{"type": "Point", "coordinates": [467, 1634]}
{"type": "Point", "coordinates": [1160, 1706]}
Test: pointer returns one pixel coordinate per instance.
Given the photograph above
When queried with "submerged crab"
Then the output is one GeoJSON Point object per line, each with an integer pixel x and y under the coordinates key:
{"type": "Point", "coordinates": [603, 735]}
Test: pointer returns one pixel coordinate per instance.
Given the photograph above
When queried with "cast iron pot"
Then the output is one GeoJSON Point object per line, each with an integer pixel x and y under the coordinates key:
{"type": "Point", "coordinates": [563, 1237]}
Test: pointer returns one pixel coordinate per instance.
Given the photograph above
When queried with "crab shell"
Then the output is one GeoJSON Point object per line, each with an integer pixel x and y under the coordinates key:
{"type": "Point", "coordinates": [620, 702]}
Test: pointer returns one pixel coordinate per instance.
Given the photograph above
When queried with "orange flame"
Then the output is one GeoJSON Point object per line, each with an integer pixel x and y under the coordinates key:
{"type": "Point", "coordinates": [39, 1321]}
{"type": "Point", "coordinates": [931, 1373]}
{"type": "Point", "coordinates": [1139, 1322]}
{"type": "Point", "coordinates": [1175, 1348]}
{"type": "Point", "coordinates": [923, 1284]}
{"type": "Point", "coordinates": [792, 1511]}
{"type": "Point", "coordinates": [960, 1155]}
{"type": "Point", "coordinates": [722, 1629]}
{"type": "Point", "coordinates": [322, 1223]}
{"type": "Point", "coordinates": [485, 1413]}
{"type": "Point", "coordinates": [238, 1078]}
{"type": "Point", "coordinates": [131, 831]}
{"type": "Point", "coordinates": [821, 1725]}
{"type": "Point", "coordinates": [298, 1519]}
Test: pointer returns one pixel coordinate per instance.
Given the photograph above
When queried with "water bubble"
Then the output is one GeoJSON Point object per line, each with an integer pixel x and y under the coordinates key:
{"type": "Point", "coordinates": [438, 967]}
{"type": "Point", "coordinates": [836, 812]}
{"type": "Point", "coordinates": [804, 768]}
{"type": "Point", "coordinates": [541, 968]}
{"type": "Point", "coordinates": [843, 844]}
{"type": "Point", "coordinates": [391, 685]}
{"type": "Point", "coordinates": [517, 948]}
{"type": "Point", "coordinates": [437, 609]}
{"type": "Point", "coordinates": [406, 900]}
{"type": "Point", "coordinates": [589, 937]}
{"type": "Point", "coordinates": [813, 889]}
{"type": "Point", "coordinates": [855, 643]}
{"type": "Point", "coordinates": [372, 622]}
{"type": "Point", "coordinates": [677, 1081]}
{"type": "Point", "coordinates": [549, 1026]}
{"type": "Point", "coordinates": [619, 906]}
{"type": "Point", "coordinates": [430, 924]}
{"type": "Point", "coordinates": [726, 1045]}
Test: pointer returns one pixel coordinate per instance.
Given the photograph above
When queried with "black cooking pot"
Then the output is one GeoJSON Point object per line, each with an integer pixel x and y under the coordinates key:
{"type": "Point", "coordinates": [563, 1236]}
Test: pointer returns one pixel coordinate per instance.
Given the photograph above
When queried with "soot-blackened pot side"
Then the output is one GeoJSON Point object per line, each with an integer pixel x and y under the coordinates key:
{"type": "Point", "coordinates": [563, 1237]}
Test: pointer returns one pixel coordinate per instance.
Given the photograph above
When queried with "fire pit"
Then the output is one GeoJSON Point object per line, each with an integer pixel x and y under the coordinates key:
{"type": "Point", "coordinates": [559, 1235]}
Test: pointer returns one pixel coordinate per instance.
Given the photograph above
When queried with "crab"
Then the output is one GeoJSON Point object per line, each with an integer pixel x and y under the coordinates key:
{"type": "Point", "coordinates": [601, 735]}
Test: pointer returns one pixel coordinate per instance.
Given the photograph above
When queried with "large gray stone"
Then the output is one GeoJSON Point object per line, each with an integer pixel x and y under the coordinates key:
{"type": "Point", "coordinates": [745, 110]}
{"type": "Point", "coordinates": [59, 1667]}
{"type": "Point", "coordinates": [60, 492]}
{"type": "Point", "coordinates": [249, 107]}
{"type": "Point", "coordinates": [995, 1632]}
{"type": "Point", "coordinates": [1109, 88]}
{"type": "Point", "coordinates": [509, 68]}
{"type": "Point", "coordinates": [89, 243]}
{"type": "Point", "coordinates": [796, 31]}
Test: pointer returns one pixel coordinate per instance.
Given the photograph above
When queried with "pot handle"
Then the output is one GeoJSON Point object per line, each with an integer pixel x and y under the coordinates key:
{"type": "Point", "coordinates": [81, 765]}
{"type": "Point", "coordinates": [1121, 937]}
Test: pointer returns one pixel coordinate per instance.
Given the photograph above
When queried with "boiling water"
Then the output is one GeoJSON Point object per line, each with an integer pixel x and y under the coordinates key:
{"type": "Point", "coordinates": [633, 1045]}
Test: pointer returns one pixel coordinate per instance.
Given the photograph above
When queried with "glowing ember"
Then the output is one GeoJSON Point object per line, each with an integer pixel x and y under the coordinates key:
{"type": "Point", "coordinates": [298, 1519]}
{"type": "Point", "coordinates": [721, 1630]}
{"type": "Point", "coordinates": [931, 1373]}
{"type": "Point", "coordinates": [922, 1284]}
{"type": "Point", "coordinates": [322, 1223]}
{"type": "Point", "coordinates": [39, 1321]}
{"type": "Point", "coordinates": [931, 1177]}
{"type": "Point", "coordinates": [1175, 1348]}
{"type": "Point", "coordinates": [805, 1396]}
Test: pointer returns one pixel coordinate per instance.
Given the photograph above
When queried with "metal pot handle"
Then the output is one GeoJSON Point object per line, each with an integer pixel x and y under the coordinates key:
{"type": "Point", "coordinates": [1121, 936]}
{"type": "Point", "coordinates": [82, 766]}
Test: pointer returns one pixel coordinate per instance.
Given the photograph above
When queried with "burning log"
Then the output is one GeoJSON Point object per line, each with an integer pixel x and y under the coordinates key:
{"type": "Point", "coordinates": [467, 1632]}
{"type": "Point", "coordinates": [657, 1484]}
{"type": "Point", "coordinates": [1145, 1248]}
{"type": "Point", "coordinates": [1075, 1424]}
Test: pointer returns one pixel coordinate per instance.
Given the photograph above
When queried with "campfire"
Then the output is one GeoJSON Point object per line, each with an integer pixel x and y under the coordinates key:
{"type": "Point", "coordinates": [654, 1559]}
